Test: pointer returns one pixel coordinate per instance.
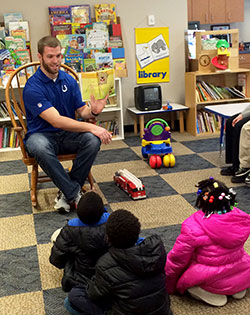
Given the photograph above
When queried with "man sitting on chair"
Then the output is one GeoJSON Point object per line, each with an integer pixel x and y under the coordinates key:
{"type": "Point", "coordinates": [51, 97]}
{"type": "Point", "coordinates": [233, 130]}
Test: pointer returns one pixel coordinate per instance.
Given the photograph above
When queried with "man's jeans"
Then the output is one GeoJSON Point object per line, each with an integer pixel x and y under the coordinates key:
{"type": "Point", "coordinates": [45, 147]}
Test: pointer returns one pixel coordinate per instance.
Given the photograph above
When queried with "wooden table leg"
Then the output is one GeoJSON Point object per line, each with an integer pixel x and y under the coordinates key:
{"type": "Point", "coordinates": [172, 120]}
{"type": "Point", "coordinates": [181, 120]}
{"type": "Point", "coordinates": [141, 120]}
{"type": "Point", "coordinates": [135, 124]}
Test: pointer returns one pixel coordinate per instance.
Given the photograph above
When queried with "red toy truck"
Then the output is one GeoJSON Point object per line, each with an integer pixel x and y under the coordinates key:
{"type": "Point", "coordinates": [130, 184]}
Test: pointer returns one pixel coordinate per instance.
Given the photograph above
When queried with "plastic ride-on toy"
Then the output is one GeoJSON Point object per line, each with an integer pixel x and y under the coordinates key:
{"type": "Point", "coordinates": [156, 144]}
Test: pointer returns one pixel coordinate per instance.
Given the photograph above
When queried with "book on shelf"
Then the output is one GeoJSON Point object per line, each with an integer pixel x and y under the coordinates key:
{"type": "Point", "coordinates": [20, 25]}
{"type": "Point", "coordinates": [105, 13]}
{"type": "Point", "coordinates": [23, 55]}
{"type": "Point", "coordinates": [103, 60]}
{"type": "Point", "coordinates": [76, 41]}
{"type": "Point", "coordinates": [59, 15]}
{"type": "Point", "coordinates": [89, 65]}
{"type": "Point", "coordinates": [99, 83]}
{"type": "Point", "coordinates": [110, 125]}
{"type": "Point", "coordinates": [1, 137]}
{"type": "Point", "coordinates": [80, 13]}
{"type": "Point", "coordinates": [11, 17]}
{"type": "Point", "coordinates": [97, 39]}
{"type": "Point", "coordinates": [2, 37]}
{"type": "Point", "coordinates": [6, 60]}
{"type": "Point", "coordinates": [59, 29]}
{"type": "Point", "coordinates": [15, 42]}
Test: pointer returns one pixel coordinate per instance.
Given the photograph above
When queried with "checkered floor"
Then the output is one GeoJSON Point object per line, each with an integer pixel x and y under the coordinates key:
{"type": "Point", "coordinates": [30, 285]}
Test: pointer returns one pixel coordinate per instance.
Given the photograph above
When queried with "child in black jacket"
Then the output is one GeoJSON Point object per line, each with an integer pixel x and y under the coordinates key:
{"type": "Point", "coordinates": [130, 276]}
{"type": "Point", "coordinates": [81, 242]}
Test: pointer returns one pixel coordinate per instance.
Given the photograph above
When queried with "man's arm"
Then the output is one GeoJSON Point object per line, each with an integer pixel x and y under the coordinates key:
{"type": "Point", "coordinates": [52, 116]}
{"type": "Point", "coordinates": [93, 109]}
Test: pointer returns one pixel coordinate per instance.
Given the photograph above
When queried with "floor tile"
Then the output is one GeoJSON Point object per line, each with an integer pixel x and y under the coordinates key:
{"type": "Point", "coordinates": [23, 304]}
{"type": "Point", "coordinates": [20, 228]}
{"type": "Point", "coordinates": [20, 271]}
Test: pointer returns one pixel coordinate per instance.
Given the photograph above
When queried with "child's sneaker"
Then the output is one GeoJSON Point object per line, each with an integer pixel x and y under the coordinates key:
{"type": "Point", "coordinates": [239, 295]}
{"type": "Point", "coordinates": [208, 297]}
{"type": "Point", "coordinates": [78, 197]}
{"type": "Point", "coordinates": [54, 235]}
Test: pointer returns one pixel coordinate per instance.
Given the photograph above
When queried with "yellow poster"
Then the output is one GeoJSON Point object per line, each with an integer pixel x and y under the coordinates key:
{"type": "Point", "coordinates": [152, 55]}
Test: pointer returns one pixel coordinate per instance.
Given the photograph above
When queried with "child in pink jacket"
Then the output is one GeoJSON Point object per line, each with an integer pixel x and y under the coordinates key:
{"type": "Point", "coordinates": [208, 258]}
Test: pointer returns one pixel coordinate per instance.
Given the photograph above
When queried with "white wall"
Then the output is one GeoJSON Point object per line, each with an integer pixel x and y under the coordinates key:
{"type": "Point", "coordinates": [133, 13]}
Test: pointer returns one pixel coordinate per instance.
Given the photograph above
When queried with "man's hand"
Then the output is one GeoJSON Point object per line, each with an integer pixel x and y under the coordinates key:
{"type": "Point", "coordinates": [97, 105]}
{"type": "Point", "coordinates": [104, 135]}
{"type": "Point", "coordinates": [237, 119]}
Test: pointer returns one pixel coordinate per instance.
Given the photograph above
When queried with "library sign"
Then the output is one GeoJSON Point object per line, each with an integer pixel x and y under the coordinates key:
{"type": "Point", "coordinates": [152, 55]}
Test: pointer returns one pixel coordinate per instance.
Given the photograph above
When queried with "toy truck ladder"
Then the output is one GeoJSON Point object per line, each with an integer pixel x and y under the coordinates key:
{"type": "Point", "coordinates": [132, 178]}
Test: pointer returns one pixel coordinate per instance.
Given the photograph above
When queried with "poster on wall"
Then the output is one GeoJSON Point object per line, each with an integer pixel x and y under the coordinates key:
{"type": "Point", "coordinates": [152, 55]}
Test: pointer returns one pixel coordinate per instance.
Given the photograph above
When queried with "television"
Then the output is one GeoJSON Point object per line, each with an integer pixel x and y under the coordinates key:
{"type": "Point", "coordinates": [148, 97]}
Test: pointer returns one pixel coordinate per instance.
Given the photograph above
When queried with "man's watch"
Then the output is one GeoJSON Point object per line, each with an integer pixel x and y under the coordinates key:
{"type": "Point", "coordinates": [94, 114]}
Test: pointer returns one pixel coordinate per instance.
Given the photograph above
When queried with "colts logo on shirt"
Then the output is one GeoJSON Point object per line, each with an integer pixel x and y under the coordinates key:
{"type": "Point", "coordinates": [39, 105]}
{"type": "Point", "coordinates": [64, 88]}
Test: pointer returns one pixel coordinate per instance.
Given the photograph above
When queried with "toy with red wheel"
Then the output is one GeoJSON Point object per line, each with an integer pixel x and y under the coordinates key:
{"type": "Point", "coordinates": [156, 145]}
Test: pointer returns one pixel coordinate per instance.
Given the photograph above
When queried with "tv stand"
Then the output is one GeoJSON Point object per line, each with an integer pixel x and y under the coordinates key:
{"type": "Point", "coordinates": [175, 108]}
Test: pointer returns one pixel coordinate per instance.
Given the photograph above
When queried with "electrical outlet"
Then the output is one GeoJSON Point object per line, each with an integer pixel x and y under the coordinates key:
{"type": "Point", "coordinates": [151, 20]}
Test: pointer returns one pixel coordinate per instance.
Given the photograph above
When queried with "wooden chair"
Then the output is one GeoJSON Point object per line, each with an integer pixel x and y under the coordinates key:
{"type": "Point", "coordinates": [17, 114]}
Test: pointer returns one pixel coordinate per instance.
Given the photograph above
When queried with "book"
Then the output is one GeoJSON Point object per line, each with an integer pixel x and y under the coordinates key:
{"type": "Point", "coordinates": [103, 60]}
{"type": "Point", "coordinates": [105, 13]}
{"type": "Point", "coordinates": [6, 61]}
{"type": "Point", "coordinates": [76, 41]}
{"type": "Point", "coordinates": [11, 17]}
{"type": "Point", "coordinates": [20, 25]}
{"type": "Point", "coordinates": [23, 55]}
{"type": "Point", "coordinates": [1, 137]}
{"type": "Point", "coordinates": [89, 65]}
{"type": "Point", "coordinates": [75, 61]}
{"type": "Point", "coordinates": [60, 29]}
{"type": "Point", "coordinates": [97, 39]}
{"type": "Point", "coordinates": [80, 13]}
{"type": "Point", "coordinates": [99, 83]}
{"type": "Point", "coordinates": [59, 15]}
{"type": "Point", "coordinates": [15, 42]}
{"type": "Point", "coordinates": [2, 37]}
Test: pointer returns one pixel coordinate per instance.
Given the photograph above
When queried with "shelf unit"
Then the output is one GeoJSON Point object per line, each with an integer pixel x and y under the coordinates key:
{"type": "Point", "coordinates": [115, 111]}
{"type": "Point", "coordinates": [221, 78]}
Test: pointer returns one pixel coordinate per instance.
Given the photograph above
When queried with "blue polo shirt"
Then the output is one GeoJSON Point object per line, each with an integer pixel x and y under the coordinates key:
{"type": "Point", "coordinates": [41, 93]}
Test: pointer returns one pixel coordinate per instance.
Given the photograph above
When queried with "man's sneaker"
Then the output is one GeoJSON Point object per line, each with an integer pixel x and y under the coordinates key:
{"type": "Point", "coordinates": [227, 171]}
{"type": "Point", "coordinates": [247, 179]}
{"type": "Point", "coordinates": [62, 205]}
{"type": "Point", "coordinates": [78, 197]}
{"type": "Point", "coordinates": [242, 172]}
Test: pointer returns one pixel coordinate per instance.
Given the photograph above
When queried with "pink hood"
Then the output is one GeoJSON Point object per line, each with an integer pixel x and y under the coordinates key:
{"type": "Point", "coordinates": [228, 230]}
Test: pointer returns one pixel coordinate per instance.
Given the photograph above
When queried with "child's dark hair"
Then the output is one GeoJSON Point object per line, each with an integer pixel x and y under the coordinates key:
{"type": "Point", "coordinates": [214, 197]}
{"type": "Point", "coordinates": [90, 208]}
{"type": "Point", "coordinates": [123, 229]}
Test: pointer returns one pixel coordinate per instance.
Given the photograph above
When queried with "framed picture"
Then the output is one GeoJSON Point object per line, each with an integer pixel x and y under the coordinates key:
{"type": "Point", "coordinates": [221, 27]}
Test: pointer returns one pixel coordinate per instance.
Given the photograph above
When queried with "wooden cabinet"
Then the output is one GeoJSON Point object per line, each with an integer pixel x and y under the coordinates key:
{"type": "Point", "coordinates": [223, 79]}
{"type": "Point", "coordinates": [244, 61]}
{"type": "Point", "coordinates": [216, 12]}
{"type": "Point", "coordinates": [234, 11]}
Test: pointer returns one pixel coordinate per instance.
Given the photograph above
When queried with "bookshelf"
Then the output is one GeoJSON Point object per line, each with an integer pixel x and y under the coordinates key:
{"type": "Point", "coordinates": [114, 112]}
{"type": "Point", "coordinates": [229, 78]}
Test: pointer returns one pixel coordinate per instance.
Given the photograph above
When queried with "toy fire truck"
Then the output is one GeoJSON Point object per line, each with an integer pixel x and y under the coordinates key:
{"type": "Point", "coordinates": [131, 184]}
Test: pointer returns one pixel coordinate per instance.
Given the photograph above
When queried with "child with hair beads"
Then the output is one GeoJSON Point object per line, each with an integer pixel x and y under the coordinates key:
{"type": "Point", "coordinates": [208, 259]}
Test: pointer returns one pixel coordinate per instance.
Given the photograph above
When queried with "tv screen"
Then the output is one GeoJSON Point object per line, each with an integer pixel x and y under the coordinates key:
{"type": "Point", "coordinates": [151, 94]}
